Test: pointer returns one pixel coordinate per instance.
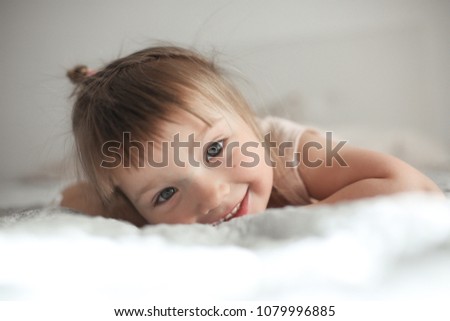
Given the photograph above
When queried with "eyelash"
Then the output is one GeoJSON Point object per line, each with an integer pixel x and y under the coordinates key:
{"type": "Point", "coordinates": [221, 143]}
{"type": "Point", "coordinates": [160, 199]}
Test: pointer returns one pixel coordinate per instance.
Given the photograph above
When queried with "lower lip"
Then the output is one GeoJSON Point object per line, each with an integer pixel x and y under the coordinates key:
{"type": "Point", "coordinates": [243, 210]}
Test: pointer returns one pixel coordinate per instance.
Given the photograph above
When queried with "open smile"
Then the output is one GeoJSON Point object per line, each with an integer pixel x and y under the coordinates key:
{"type": "Point", "coordinates": [240, 209]}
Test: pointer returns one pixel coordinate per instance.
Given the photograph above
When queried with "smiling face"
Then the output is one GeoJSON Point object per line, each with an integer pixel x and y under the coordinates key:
{"type": "Point", "coordinates": [222, 175]}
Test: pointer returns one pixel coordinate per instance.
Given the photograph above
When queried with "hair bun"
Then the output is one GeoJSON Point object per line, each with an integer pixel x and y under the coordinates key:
{"type": "Point", "coordinates": [79, 73]}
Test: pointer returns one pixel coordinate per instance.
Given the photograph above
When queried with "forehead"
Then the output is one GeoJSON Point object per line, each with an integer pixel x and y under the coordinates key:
{"type": "Point", "coordinates": [186, 123]}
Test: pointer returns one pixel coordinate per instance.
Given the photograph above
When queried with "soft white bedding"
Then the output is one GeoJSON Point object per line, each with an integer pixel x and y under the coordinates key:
{"type": "Point", "coordinates": [394, 247]}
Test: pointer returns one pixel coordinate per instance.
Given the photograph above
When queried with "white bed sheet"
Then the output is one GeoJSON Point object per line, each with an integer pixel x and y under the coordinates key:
{"type": "Point", "coordinates": [395, 247]}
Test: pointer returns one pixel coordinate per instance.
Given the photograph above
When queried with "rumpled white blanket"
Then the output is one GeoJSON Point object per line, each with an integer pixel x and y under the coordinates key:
{"type": "Point", "coordinates": [395, 247]}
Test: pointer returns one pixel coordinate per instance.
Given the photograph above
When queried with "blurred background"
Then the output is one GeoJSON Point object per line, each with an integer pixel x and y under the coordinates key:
{"type": "Point", "coordinates": [375, 72]}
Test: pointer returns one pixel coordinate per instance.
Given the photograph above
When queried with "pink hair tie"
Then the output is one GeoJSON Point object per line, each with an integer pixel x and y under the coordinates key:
{"type": "Point", "coordinates": [90, 72]}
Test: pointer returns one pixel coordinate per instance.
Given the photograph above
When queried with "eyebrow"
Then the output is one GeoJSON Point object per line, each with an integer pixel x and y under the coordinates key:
{"type": "Point", "coordinates": [208, 126]}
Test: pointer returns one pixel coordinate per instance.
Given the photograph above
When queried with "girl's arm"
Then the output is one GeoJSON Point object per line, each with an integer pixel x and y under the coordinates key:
{"type": "Point", "coordinates": [348, 172]}
{"type": "Point", "coordinates": [83, 197]}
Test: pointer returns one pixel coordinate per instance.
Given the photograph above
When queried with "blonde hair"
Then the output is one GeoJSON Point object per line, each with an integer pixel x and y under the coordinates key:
{"type": "Point", "coordinates": [136, 94]}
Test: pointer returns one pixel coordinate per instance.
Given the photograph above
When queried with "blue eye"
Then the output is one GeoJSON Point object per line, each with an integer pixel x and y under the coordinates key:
{"type": "Point", "coordinates": [214, 150]}
{"type": "Point", "coordinates": [165, 195]}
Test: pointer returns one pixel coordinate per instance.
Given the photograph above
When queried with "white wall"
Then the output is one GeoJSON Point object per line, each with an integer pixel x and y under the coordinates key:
{"type": "Point", "coordinates": [383, 66]}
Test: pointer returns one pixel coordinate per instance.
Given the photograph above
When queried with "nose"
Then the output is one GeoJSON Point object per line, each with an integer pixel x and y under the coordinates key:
{"type": "Point", "coordinates": [210, 193]}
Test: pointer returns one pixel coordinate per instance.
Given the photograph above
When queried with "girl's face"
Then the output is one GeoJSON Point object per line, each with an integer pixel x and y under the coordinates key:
{"type": "Point", "coordinates": [200, 173]}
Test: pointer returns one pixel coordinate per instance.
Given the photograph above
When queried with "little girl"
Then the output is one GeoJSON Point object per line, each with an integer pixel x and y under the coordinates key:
{"type": "Point", "coordinates": [163, 137]}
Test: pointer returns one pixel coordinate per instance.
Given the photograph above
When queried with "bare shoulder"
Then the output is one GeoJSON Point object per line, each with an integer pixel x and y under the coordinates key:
{"type": "Point", "coordinates": [83, 197]}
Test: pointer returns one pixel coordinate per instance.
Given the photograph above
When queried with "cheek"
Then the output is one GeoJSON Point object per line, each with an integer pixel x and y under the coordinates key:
{"type": "Point", "coordinates": [182, 213]}
{"type": "Point", "coordinates": [247, 152]}
{"type": "Point", "coordinates": [251, 164]}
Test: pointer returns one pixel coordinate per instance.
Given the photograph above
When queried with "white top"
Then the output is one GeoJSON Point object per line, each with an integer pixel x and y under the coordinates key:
{"type": "Point", "coordinates": [288, 187]}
